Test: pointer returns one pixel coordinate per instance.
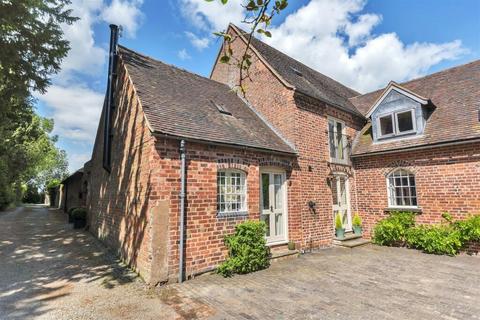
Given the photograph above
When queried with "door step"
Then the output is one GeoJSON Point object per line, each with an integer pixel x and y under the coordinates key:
{"type": "Point", "coordinates": [350, 241]}
{"type": "Point", "coordinates": [283, 254]}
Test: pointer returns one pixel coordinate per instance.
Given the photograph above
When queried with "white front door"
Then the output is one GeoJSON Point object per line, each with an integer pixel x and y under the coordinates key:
{"type": "Point", "coordinates": [341, 200]}
{"type": "Point", "coordinates": [273, 205]}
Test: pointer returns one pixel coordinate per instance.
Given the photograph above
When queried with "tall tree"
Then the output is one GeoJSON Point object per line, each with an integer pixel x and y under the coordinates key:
{"type": "Point", "coordinates": [31, 50]}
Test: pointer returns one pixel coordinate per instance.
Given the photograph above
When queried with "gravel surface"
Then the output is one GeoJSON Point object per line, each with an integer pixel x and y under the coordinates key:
{"type": "Point", "coordinates": [49, 271]}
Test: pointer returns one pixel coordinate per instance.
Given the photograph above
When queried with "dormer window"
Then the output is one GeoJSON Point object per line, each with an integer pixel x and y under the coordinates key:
{"type": "Point", "coordinates": [396, 123]}
{"type": "Point", "coordinates": [397, 113]}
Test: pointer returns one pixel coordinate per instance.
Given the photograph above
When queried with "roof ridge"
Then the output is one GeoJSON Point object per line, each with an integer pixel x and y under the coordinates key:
{"type": "Point", "coordinates": [172, 66]}
{"type": "Point", "coordinates": [419, 78]}
{"type": "Point", "coordinates": [290, 57]}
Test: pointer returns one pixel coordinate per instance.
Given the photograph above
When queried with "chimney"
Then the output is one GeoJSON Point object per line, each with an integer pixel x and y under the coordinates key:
{"type": "Point", "coordinates": [109, 107]}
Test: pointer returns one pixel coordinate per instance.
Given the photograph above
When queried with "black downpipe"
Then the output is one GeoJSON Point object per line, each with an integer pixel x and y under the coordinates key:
{"type": "Point", "coordinates": [107, 133]}
{"type": "Point", "coordinates": [182, 212]}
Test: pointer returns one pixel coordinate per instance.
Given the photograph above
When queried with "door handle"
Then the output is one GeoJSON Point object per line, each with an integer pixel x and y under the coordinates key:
{"type": "Point", "coordinates": [271, 208]}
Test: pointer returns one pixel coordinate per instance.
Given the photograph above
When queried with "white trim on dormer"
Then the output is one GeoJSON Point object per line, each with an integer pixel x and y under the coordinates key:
{"type": "Point", "coordinates": [395, 86]}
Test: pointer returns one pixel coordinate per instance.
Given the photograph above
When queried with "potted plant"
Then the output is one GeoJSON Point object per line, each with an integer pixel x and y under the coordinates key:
{"type": "Point", "coordinates": [291, 245]}
{"type": "Point", "coordinates": [339, 229]}
{"type": "Point", "coordinates": [357, 224]}
{"type": "Point", "coordinates": [79, 218]}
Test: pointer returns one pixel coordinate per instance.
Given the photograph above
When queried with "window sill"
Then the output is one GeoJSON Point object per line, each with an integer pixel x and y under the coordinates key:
{"type": "Point", "coordinates": [340, 162]}
{"type": "Point", "coordinates": [417, 210]}
{"type": "Point", "coordinates": [232, 214]}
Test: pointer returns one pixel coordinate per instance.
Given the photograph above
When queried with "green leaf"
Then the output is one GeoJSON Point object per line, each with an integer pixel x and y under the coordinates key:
{"type": "Point", "coordinates": [225, 59]}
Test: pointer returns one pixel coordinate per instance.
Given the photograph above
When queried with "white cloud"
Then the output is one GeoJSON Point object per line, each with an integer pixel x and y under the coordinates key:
{"type": "Point", "coordinates": [316, 35]}
{"type": "Point", "coordinates": [125, 13]}
{"type": "Point", "coordinates": [336, 38]}
{"type": "Point", "coordinates": [359, 31]}
{"type": "Point", "coordinates": [77, 160]}
{"type": "Point", "coordinates": [76, 110]}
{"type": "Point", "coordinates": [84, 55]}
{"type": "Point", "coordinates": [198, 42]}
{"type": "Point", "coordinates": [212, 16]}
{"type": "Point", "coordinates": [183, 55]}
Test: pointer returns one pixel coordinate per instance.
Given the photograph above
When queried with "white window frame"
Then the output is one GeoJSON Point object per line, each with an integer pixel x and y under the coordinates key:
{"type": "Point", "coordinates": [391, 194]}
{"type": "Point", "coordinates": [379, 125]}
{"type": "Point", "coordinates": [394, 117]}
{"type": "Point", "coordinates": [346, 154]}
{"type": "Point", "coordinates": [244, 204]}
{"type": "Point", "coordinates": [414, 125]}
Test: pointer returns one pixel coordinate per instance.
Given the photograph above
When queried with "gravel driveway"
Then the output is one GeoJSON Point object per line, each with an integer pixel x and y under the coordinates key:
{"type": "Point", "coordinates": [48, 271]}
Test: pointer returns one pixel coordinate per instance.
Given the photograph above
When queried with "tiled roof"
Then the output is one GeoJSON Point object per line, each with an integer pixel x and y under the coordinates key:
{"type": "Point", "coordinates": [183, 104]}
{"type": "Point", "coordinates": [303, 78]}
{"type": "Point", "coordinates": [455, 94]}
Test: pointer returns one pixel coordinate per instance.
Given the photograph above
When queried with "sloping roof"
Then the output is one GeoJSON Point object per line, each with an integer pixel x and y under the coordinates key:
{"type": "Point", "coordinates": [76, 174]}
{"type": "Point", "coordinates": [303, 78]}
{"type": "Point", "coordinates": [183, 104]}
{"type": "Point", "coordinates": [454, 92]}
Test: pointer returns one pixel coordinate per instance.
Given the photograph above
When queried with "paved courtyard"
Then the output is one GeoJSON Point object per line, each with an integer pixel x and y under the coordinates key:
{"type": "Point", "coordinates": [48, 271]}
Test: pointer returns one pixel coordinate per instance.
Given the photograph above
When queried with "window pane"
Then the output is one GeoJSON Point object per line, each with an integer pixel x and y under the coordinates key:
{"type": "Point", "coordinates": [402, 191]}
{"type": "Point", "coordinates": [331, 138]}
{"type": "Point", "coordinates": [266, 219]}
{"type": "Point", "coordinates": [278, 191]}
{"type": "Point", "coordinates": [230, 191]}
{"type": "Point", "coordinates": [265, 193]}
{"type": "Point", "coordinates": [339, 141]}
{"type": "Point", "coordinates": [386, 125]}
{"type": "Point", "coordinates": [278, 224]}
{"type": "Point", "coordinates": [405, 122]}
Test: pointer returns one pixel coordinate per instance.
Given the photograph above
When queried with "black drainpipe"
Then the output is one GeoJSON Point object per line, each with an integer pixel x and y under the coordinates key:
{"type": "Point", "coordinates": [112, 59]}
{"type": "Point", "coordinates": [182, 212]}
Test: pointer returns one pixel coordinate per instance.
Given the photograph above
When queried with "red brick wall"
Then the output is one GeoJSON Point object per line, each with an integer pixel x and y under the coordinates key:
{"type": "Point", "coordinates": [447, 179]}
{"type": "Point", "coordinates": [118, 202]}
{"type": "Point", "coordinates": [205, 231]}
{"type": "Point", "coordinates": [303, 121]}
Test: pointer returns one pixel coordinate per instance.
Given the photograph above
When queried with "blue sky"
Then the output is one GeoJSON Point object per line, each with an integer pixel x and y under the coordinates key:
{"type": "Point", "coordinates": [362, 44]}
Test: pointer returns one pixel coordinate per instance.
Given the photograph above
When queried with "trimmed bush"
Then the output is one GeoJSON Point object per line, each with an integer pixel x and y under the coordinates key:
{"type": "Point", "coordinates": [437, 239]}
{"type": "Point", "coordinates": [247, 250]}
{"type": "Point", "coordinates": [79, 213]}
{"type": "Point", "coordinates": [338, 222]}
{"type": "Point", "coordinates": [391, 231]}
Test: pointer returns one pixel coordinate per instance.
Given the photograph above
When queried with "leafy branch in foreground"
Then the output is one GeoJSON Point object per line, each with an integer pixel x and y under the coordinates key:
{"type": "Point", "coordinates": [259, 14]}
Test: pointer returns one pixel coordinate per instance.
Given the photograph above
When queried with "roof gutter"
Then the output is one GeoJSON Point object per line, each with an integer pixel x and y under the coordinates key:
{"type": "Point", "coordinates": [222, 144]}
{"type": "Point", "coordinates": [429, 146]}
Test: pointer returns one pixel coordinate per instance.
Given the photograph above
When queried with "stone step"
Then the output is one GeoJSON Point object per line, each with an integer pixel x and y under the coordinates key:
{"type": "Point", "coordinates": [352, 243]}
{"type": "Point", "coordinates": [278, 255]}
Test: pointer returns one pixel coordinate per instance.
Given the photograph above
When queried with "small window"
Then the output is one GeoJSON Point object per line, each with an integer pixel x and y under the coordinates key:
{"type": "Point", "coordinates": [337, 141]}
{"type": "Point", "coordinates": [386, 125]}
{"type": "Point", "coordinates": [405, 121]}
{"type": "Point", "coordinates": [401, 189]}
{"type": "Point", "coordinates": [396, 123]}
{"type": "Point", "coordinates": [231, 192]}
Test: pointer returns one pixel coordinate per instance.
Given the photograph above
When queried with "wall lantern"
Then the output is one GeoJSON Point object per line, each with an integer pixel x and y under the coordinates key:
{"type": "Point", "coordinates": [312, 207]}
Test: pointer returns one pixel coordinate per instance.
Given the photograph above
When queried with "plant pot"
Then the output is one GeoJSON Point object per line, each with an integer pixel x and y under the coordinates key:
{"type": "Point", "coordinates": [79, 223]}
{"type": "Point", "coordinates": [291, 245]}
{"type": "Point", "coordinates": [357, 230]}
{"type": "Point", "coordinates": [340, 233]}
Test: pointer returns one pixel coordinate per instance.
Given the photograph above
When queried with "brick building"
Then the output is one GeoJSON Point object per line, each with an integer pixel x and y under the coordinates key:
{"type": "Point", "coordinates": [296, 150]}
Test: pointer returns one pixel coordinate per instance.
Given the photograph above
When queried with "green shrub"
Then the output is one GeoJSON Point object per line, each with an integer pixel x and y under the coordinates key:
{"type": "Point", "coordinates": [391, 231]}
{"type": "Point", "coordinates": [79, 213]}
{"type": "Point", "coordinates": [357, 220]}
{"type": "Point", "coordinates": [438, 239]}
{"type": "Point", "coordinates": [247, 249]}
{"type": "Point", "coordinates": [469, 229]}
{"type": "Point", "coordinates": [338, 222]}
